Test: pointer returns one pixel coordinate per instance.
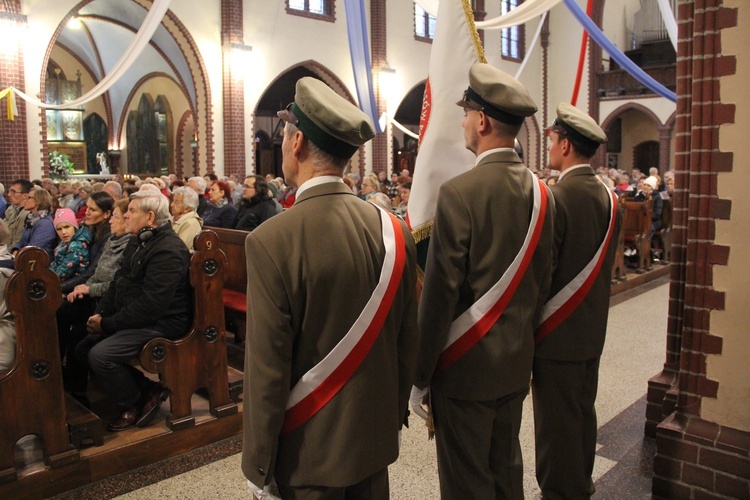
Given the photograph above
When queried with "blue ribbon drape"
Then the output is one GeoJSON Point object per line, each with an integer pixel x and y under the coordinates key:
{"type": "Point", "coordinates": [621, 59]}
{"type": "Point", "coordinates": [359, 47]}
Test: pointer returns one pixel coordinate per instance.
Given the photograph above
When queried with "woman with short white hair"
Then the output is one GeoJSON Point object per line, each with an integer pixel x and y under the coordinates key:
{"type": "Point", "coordinates": [185, 220]}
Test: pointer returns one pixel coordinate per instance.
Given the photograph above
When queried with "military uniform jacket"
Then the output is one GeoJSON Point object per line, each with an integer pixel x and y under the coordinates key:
{"type": "Point", "coordinates": [480, 224]}
{"type": "Point", "coordinates": [311, 270]}
{"type": "Point", "coordinates": [583, 212]}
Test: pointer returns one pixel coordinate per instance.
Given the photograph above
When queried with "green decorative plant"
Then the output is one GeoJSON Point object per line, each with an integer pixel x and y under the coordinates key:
{"type": "Point", "coordinates": [60, 166]}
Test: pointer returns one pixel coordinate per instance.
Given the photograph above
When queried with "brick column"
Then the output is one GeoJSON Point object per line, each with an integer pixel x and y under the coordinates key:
{"type": "Point", "coordinates": [380, 156]}
{"type": "Point", "coordinates": [14, 144]}
{"type": "Point", "coordinates": [233, 86]}
{"type": "Point", "coordinates": [697, 458]}
{"type": "Point", "coordinates": [665, 144]}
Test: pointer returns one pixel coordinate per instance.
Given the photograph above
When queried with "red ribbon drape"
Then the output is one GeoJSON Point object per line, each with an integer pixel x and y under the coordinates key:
{"type": "Point", "coordinates": [582, 56]}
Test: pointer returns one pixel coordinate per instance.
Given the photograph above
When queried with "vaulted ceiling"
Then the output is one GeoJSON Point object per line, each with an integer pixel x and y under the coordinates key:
{"type": "Point", "coordinates": [101, 32]}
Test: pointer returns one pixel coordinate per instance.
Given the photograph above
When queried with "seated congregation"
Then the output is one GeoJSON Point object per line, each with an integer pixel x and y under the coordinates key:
{"type": "Point", "coordinates": [138, 318]}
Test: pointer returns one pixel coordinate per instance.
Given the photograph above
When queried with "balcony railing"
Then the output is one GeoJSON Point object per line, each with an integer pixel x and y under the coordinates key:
{"type": "Point", "coordinates": [618, 82]}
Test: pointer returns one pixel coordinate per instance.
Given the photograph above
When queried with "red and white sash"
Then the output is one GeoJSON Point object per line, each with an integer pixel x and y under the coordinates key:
{"type": "Point", "coordinates": [323, 381]}
{"type": "Point", "coordinates": [471, 326]}
{"type": "Point", "coordinates": [559, 307]}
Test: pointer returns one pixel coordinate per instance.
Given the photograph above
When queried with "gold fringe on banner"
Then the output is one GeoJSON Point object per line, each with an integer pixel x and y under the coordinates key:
{"type": "Point", "coordinates": [422, 232]}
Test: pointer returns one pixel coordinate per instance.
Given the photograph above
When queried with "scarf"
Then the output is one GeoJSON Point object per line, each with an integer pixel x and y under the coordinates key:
{"type": "Point", "coordinates": [34, 217]}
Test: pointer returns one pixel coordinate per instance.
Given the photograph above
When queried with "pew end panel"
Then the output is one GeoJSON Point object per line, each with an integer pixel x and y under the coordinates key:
{"type": "Point", "coordinates": [198, 360]}
{"type": "Point", "coordinates": [34, 380]}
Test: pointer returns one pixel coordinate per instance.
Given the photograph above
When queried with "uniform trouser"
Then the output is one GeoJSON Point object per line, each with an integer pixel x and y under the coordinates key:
{"type": "Point", "coordinates": [564, 393]}
{"type": "Point", "coordinates": [478, 452]}
{"type": "Point", "coordinates": [372, 487]}
{"type": "Point", "coordinates": [109, 359]}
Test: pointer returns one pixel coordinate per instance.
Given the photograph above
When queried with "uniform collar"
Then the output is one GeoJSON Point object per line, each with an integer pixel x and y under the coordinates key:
{"type": "Point", "coordinates": [574, 167]}
{"type": "Point", "coordinates": [317, 181]}
{"type": "Point", "coordinates": [484, 155]}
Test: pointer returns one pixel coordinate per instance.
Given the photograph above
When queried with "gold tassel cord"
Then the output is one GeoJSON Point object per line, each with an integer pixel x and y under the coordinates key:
{"type": "Point", "coordinates": [478, 47]}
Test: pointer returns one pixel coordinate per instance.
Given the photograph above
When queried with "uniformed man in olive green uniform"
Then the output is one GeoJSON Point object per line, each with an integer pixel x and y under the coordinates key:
{"type": "Point", "coordinates": [487, 275]}
{"type": "Point", "coordinates": [331, 330]}
{"type": "Point", "coordinates": [570, 337]}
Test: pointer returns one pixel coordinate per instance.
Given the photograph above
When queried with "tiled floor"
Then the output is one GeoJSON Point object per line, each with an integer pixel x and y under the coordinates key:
{"type": "Point", "coordinates": [633, 353]}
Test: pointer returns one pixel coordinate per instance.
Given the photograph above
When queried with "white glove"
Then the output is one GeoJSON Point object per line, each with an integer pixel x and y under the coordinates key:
{"type": "Point", "coordinates": [265, 492]}
{"type": "Point", "coordinates": [417, 399]}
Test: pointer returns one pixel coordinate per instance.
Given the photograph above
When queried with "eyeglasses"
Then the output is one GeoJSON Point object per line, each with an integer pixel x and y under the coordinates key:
{"type": "Point", "coordinates": [291, 117]}
{"type": "Point", "coordinates": [248, 187]}
{"type": "Point", "coordinates": [13, 191]}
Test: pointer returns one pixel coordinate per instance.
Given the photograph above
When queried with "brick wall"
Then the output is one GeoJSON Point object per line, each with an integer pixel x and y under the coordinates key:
{"type": "Point", "coordinates": [696, 458]}
{"type": "Point", "coordinates": [14, 145]}
{"type": "Point", "coordinates": [380, 156]}
{"type": "Point", "coordinates": [233, 86]}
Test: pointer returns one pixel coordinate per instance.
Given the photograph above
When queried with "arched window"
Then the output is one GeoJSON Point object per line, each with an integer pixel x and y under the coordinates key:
{"type": "Point", "coordinates": [150, 141]}
{"type": "Point", "coordinates": [512, 39]}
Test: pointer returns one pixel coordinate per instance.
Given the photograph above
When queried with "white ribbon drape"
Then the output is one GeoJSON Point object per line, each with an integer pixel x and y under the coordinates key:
{"type": "Point", "coordinates": [532, 45]}
{"type": "Point", "coordinates": [404, 129]}
{"type": "Point", "coordinates": [525, 12]}
{"type": "Point", "coordinates": [669, 21]}
{"type": "Point", "coordinates": [147, 30]}
{"type": "Point", "coordinates": [429, 6]}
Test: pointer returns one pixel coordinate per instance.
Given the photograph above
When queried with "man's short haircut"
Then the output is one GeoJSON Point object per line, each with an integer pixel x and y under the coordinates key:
{"type": "Point", "coordinates": [150, 201]}
{"type": "Point", "coordinates": [115, 187]}
{"type": "Point", "coordinates": [261, 185]}
{"type": "Point", "coordinates": [504, 129]}
{"type": "Point", "coordinates": [25, 184]}
{"type": "Point", "coordinates": [320, 159]}
{"type": "Point", "coordinates": [200, 182]}
{"type": "Point", "coordinates": [189, 196]}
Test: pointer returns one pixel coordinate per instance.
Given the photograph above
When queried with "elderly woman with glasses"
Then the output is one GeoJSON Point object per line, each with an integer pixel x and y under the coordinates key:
{"type": "Point", "coordinates": [185, 220]}
{"type": "Point", "coordinates": [370, 186]}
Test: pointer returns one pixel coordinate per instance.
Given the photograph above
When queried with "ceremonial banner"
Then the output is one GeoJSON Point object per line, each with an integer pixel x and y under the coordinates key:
{"type": "Point", "coordinates": [442, 150]}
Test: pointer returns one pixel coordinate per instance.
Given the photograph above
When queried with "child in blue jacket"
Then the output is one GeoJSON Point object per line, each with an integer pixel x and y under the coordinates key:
{"type": "Point", "coordinates": [72, 253]}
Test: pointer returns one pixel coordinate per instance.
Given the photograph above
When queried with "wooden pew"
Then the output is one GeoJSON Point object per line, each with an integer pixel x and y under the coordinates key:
{"type": "Point", "coordinates": [31, 391]}
{"type": "Point", "coordinates": [232, 242]}
{"type": "Point", "coordinates": [198, 360]}
{"type": "Point", "coordinates": [636, 229]}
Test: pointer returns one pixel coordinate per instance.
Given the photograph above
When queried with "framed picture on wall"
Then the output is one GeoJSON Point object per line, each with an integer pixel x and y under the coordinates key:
{"type": "Point", "coordinates": [613, 160]}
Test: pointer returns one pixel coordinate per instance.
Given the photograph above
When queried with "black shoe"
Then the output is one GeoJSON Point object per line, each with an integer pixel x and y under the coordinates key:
{"type": "Point", "coordinates": [126, 420]}
{"type": "Point", "coordinates": [152, 402]}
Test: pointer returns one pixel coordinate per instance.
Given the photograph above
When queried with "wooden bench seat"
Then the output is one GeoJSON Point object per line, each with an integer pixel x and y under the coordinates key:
{"type": "Point", "coordinates": [232, 243]}
{"type": "Point", "coordinates": [31, 391]}
{"type": "Point", "coordinates": [198, 360]}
